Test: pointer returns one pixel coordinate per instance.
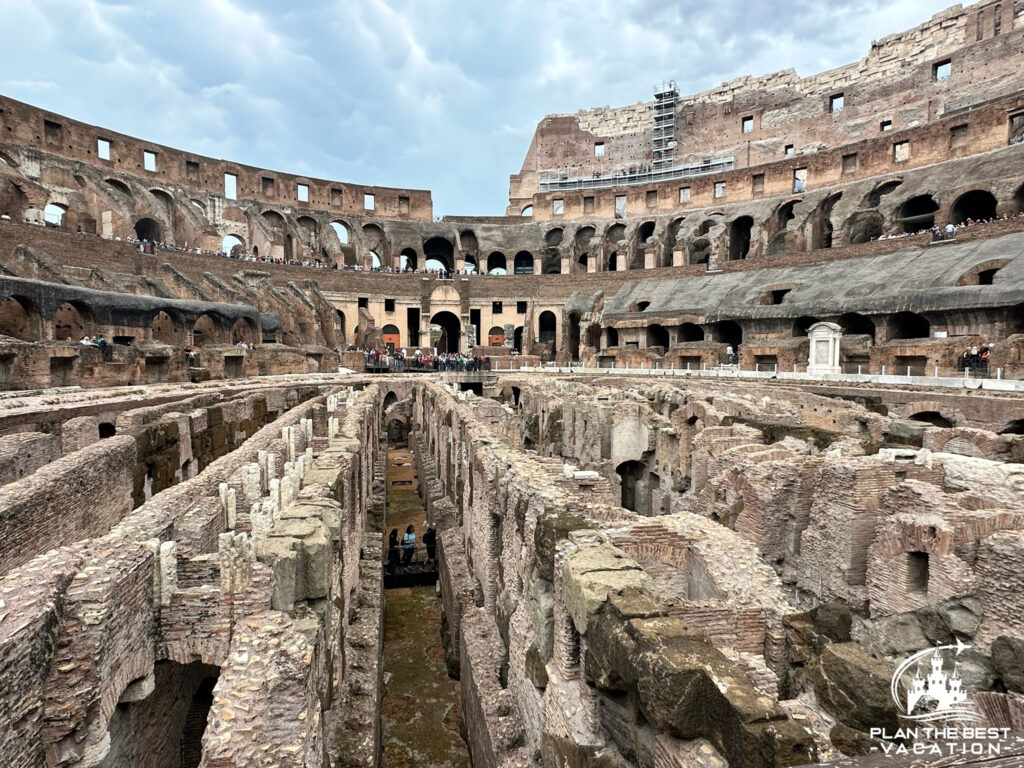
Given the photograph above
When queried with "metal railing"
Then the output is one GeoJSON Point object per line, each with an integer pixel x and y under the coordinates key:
{"type": "Point", "coordinates": [632, 178]}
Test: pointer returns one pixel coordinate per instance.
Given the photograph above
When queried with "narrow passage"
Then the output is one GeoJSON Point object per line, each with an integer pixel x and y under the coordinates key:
{"type": "Point", "coordinates": [421, 714]}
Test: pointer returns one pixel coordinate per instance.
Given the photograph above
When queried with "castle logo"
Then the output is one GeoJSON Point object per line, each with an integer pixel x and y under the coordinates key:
{"type": "Point", "coordinates": [927, 686]}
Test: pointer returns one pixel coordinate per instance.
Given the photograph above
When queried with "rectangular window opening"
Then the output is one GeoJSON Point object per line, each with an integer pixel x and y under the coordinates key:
{"type": "Point", "coordinates": [588, 204]}
{"type": "Point", "coordinates": [917, 572]}
{"type": "Point", "coordinates": [942, 70]}
{"type": "Point", "coordinates": [747, 124]}
{"type": "Point", "coordinates": [788, 149]}
{"type": "Point", "coordinates": [1017, 128]}
{"type": "Point", "coordinates": [336, 196]}
{"type": "Point", "coordinates": [800, 180]}
{"type": "Point", "coordinates": [230, 186]}
{"type": "Point", "coordinates": [599, 149]}
{"type": "Point", "coordinates": [620, 206]}
{"type": "Point", "coordinates": [557, 206]}
{"type": "Point", "coordinates": [148, 160]}
{"type": "Point", "coordinates": [269, 186]}
{"type": "Point", "coordinates": [684, 194]}
{"type": "Point", "coordinates": [958, 136]}
{"type": "Point", "coordinates": [302, 193]}
{"type": "Point", "coordinates": [368, 202]}
{"type": "Point", "coordinates": [757, 184]}
{"type": "Point", "coordinates": [364, 302]}
{"type": "Point", "coordinates": [103, 149]}
{"type": "Point", "coordinates": [836, 103]}
{"type": "Point", "coordinates": [192, 169]}
{"type": "Point", "coordinates": [389, 305]}
{"type": "Point", "coordinates": [651, 198]}
{"type": "Point", "coordinates": [885, 125]}
{"type": "Point", "coordinates": [53, 132]}
{"type": "Point", "coordinates": [778, 296]}
{"type": "Point", "coordinates": [719, 189]}
{"type": "Point", "coordinates": [496, 307]}
{"type": "Point", "coordinates": [520, 307]}
{"type": "Point", "coordinates": [850, 163]}
{"type": "Point", "coordinates": [901, 151]}
{"type": "Point", "coordinates": [403, 204]}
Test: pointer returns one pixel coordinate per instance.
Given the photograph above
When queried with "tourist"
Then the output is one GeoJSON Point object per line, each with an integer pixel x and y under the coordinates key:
{"type": "Point", "coordinates": [430, 542]}
{"type": "Point", "coordinates": [393, 552]}
{"type": "Point", "coordinates": [408, 545]}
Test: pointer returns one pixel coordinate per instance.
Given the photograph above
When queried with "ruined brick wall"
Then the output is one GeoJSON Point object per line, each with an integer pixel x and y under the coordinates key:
{"type": "Point", "coordinates": [23, 453]}
{"type": "Point", "coordinates": [75, 497]}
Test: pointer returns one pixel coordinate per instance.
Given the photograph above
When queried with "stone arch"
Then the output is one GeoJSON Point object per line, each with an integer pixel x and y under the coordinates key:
{"type": "Point", "coordinates": [975, 204]}
{"type": "Point", "coordinates": [916, 213]}
{"type": "Point", "coordinates": [547, 328]}
{"type": "Point", "coordinates": [854, 323]}
{"type": "Point", "coordinates": [873, 199]}
{"type": "Point", "coordinates": [690, 332]}
{"type": "Point", "coordinates": [119, 185]}
{"type": "Point", "coordinates": [497, 264]}
{"type": "Point", "coordinates": [658, 336]}
{"type": "Point", "coordinates": [342, 231]}
{"type": "Point", "coordinates": [574, 335]}
{"type": "Point", "coordinates": [931, 411]}
{"type": "Point", "coordinates": [273, 219]}
{"type": "Point", "coordinates": [553, 237]}
{"type": "Point", "coordinates": [53, 214]}
{"type": "Point", "coordinates": [523, 263]}
{"type": "Point", "coordinates": [983, 273]}
{"type": "Point", "coordinates": [148, 229]}
{"type": "Point", "coordinates": [822, 231]}
{"type": "Point", "coordinates": [496, 336]}
{"type": "Point", "coordinates": [13, 201]}
{"type": "Point", "coordinates": [71, 321]}
{"type": "Point", "coordinates": [908, 325]}
{"type": "Point", "coordinates": [727, 332]}
{"type": "Point", "coordinates": [408, 259]}
{"type": "Point", "coordinates": [205, 331]}
{"type": "Point", "coordinates": [526, 211]}
{"type": "Point", "coordinates": [20, 318]}
{"type": "Point", "coordinates": [611, 337]}
{"type": "Point", "coordinates": [863, 227]}
{"type": "Point", "coordinates": [441, 250]}
{"type": "Point", "coordinates": [233, 246]}
{"type": "Point", "coordinates": [802, 324]}
{"type": "Point", "coordinates": [451, 331]}
{"type": "Point", "coordinates": [244, 329]}
{"type": "Point", "coordinates": [739, 237]}
{"type": "Point", "coordinates": [166, 328]}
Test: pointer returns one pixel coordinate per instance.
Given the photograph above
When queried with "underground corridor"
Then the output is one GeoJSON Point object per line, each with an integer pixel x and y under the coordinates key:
{"type": "Point", "coordinates": [421, 712]}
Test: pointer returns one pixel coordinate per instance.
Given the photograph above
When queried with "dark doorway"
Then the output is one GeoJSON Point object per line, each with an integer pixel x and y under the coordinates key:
{"type": "Point", "coordinates": [451, 330]}
{"type": "Point", "coordinates": [629, 473]}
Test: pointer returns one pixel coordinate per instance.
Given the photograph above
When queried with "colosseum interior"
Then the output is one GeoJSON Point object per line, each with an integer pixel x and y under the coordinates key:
{"type": "Point", "coordinates": [718, 428]}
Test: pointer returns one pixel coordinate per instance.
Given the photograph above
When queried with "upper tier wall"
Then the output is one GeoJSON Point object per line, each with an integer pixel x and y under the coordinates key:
{"type": "Point", "coordinates": [27, 126]}
{"type": "Point", "coordinates": [757, 120]}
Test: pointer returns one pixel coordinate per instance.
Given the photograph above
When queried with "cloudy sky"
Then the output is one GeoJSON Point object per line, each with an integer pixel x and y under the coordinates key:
{"type": "Point", "coordinates": [435, 94]}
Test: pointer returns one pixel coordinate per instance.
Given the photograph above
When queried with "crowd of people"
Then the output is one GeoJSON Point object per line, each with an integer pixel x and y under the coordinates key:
{"type": "Point", "coordinates": [402, 551]}
{"type": "Point", "coordinates": [401, 360]}
{"type": "Point", "coordinates": [949, 231]}
{"type": "Point", "coordinates": [976, 359]}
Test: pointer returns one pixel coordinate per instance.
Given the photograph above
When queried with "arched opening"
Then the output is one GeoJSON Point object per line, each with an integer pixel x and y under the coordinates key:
{"type": "Point", "coordinates": [53, 214]}
{"type": "Point", "coordinates": [243, 331]}
{"type": "Point", "coordinates": [613, 261]}
{"type": "Point", "coordinates": [916, 214]}
{"type": "Point", "coordinates": [1018, 198]}
{"type": "Point", "coordinates": [801, 324]}
{"type": "Point", "coordinates": [407, 260]}
{"type": "Point", "coordinates": [496, 264]}
{"type": "Point", "coordinates": [657, 336]}
{"type": "Point", "coordinates": [496, 336]}
{"type": "Point", "coordinates": [341, 230]}
{"type": "Point", "coordinates": [1013, 427]}
{"type": "Point", "coordinates": [20, 319]}
{"type": "Point", "coordinates": [976, 205]}
{"type": "Point", "coordinates": [339, 326]}
{"type": "Point", "coordinates": [392, 336]}
{"type": "Point", "coordinates": [205, 331]}
{"type": "Point", "coordinates": [289, 248]}
{"type": "Point", "coordinates": [824, 230]}
{"type": "Point", "coordinates": [199, 207]}
{"type": "Point", "coordinates": [934, 418]}
{"type": "Point", "coordinates": [470, 264]}
{"type": "Point", "coordinates": [148, 229]}
{"type": "Point", "coordinates": [854, 323]}
{"type": "Point", "coordinates": [119, 185]}
{"type": "Point", "coordinates": [523, 264]}
{"type": "Point", "coordinates": [629, 473]}
{"type": "Point", "coordinates": [646, 230]}
{"type": "Point", "coordinates": [517, 339]}
{"type": "Point", "coordinates": [527, 211]}
{"type": "Point", "coordinates": [233, 246]}
{"type": "Point", "coordinates": [553, 238]}
{"type": "Point", "coordinates": [374, 260]}
{"type": "Point", "coordinates": [611, 337]}
{"type": "Point", "coordinates": [739, 238]}
{"type": "Point", "coordinates": [727, 332]}
{"type": "Point", "coordinates": [447, 333]}
{"type": "Point", "coordinates": [273, 219]}
{"type": "Point", "coordinates": [440, 250]}
{"type": "Point", "coordinates": [863, 227]}
{"type": "Point", "coordinates": [164, 329]}
{"type": "Point", "coordinates": [106, 429]}
{"type": "Point", "coordinates": [874, 198]}
{"type": "Point", "coordinates": [574, 335]}
{"type": "Point", "coordinates": [255, 252]}
{"type": "Point", "coordinates": [70, 323]}
{"type": "Point", "coordinates": [581, 262]}
{"type": "Point", "coordinates": [909, 325]}
{"type": "Point", "coordinates": [547, 328]}
{"type": "Point", "coordinates": [195, 723]}
{"type": "Point", "coordinates": [13, 201]}
{"type": "Point", "coordinates": [690, 332]}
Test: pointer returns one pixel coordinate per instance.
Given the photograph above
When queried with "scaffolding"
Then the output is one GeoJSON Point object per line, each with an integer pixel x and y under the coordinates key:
{"type": "Point", "coordinates": [663, 142]}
